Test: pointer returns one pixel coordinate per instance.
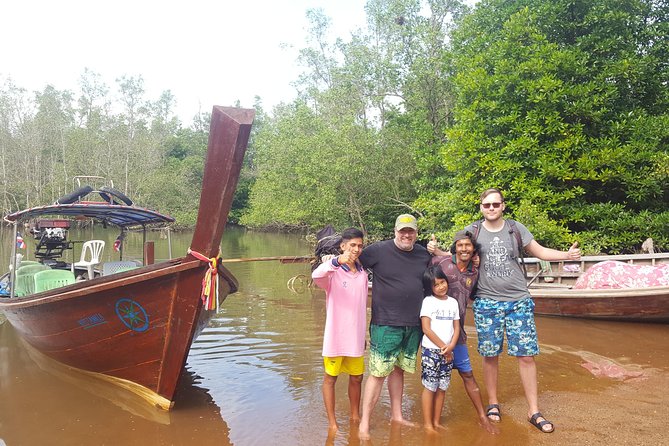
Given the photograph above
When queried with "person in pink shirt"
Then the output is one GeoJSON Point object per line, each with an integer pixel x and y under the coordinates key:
{"type": "Point", "coordinates": [345, 283]}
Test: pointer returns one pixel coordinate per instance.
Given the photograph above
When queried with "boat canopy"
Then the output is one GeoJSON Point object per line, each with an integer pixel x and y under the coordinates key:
{"type": "Point", "coordinates": [119, 215]}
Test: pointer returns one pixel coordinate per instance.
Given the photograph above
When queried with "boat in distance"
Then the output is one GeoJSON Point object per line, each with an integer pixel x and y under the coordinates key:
{"type": "Point", "coordinates": [552, 289]}
{"type": "Point", "coordinates": [135, 327]}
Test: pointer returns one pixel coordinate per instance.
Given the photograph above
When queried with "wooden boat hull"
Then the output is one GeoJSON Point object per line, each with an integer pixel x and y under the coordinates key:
{"type": "Point", "coordinates": [557, 297]}
{"type": "Point", "coordinates": [134, 328]}
{"type": "Point", "coordinates": [635, 305]}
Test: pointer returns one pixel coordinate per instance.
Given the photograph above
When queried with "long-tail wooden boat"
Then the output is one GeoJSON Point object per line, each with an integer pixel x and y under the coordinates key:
{"type": "Point", "coordinates": [552, 287]}
{"type": "Point", "coordinates": [135, 328]}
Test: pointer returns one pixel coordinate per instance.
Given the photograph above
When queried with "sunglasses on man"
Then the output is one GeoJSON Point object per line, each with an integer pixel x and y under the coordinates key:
{"type": "Point", "coordinates": [495, 205]}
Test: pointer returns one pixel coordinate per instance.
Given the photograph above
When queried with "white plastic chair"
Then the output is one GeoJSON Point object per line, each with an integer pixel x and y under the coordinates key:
{"type": "Point", "coordinates": [91, 252]}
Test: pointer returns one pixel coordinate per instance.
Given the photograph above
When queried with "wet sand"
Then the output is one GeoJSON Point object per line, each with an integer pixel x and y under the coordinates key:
{"type": "Point", "coordinates": [628, 413]}
{"type": "Point", "coordinates": [261, 386]}
{"type": "Point", "coordinates": [619, 388]}
{"type": "Point", "coordinates": [590, 385]}
{"type": "Point", "coordinates": [622, 412]}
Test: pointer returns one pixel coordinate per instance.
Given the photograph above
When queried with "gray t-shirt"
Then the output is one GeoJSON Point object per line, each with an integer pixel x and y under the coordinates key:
{"type": "Point", "coordinates": [501, 275]}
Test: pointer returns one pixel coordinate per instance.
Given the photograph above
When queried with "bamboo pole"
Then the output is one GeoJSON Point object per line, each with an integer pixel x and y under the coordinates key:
{"type": "Point", "coordinates": [282, 259]}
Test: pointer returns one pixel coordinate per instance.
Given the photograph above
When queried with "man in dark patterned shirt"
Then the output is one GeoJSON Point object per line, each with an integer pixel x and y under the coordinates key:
{"type": "Point", "coordinates": [462, 277]}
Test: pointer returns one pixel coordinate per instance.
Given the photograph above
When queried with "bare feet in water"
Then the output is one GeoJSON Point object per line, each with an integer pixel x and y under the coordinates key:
{"type": "Point", "coordinates": [430, 430]}
{"type": "Point", "coordinates": [403, 422]}
{"type": "Point", "coordinates": [434, 428]}
{"type": "Point", "coordinates": [363, 434]}
{"type": "Point", "coordinates": [489, 427]}
{"type": "Point", "coordinates": [363, 431]}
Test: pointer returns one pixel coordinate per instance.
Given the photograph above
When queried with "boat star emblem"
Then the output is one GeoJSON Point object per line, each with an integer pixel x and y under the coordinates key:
{"type": "Point", "coordinates": [132, 315]}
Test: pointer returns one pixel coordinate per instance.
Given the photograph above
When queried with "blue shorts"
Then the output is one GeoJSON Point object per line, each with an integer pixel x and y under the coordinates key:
{"type": "Point", "coordinates": [461, 358]}
{"type": "Point", "coordinates": [493, 318]}
{"type": "Point", "coordinates": [435, 370]}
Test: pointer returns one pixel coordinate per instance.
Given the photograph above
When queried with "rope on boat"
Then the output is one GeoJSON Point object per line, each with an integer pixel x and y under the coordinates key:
{"type": "Point", "coordinates": [209, 282]}
{"type": "Point", "coordinates": [302, 280]}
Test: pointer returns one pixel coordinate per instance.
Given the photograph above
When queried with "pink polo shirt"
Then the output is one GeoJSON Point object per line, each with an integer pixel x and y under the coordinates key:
{"type": "Point", "coordinates": [346, 304]}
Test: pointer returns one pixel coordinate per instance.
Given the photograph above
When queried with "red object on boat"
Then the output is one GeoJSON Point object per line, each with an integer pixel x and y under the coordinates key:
{"type": "Point", "coordinates": [53, 224]}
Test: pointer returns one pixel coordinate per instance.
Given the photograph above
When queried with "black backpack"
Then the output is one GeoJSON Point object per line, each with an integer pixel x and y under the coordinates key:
{"type": "Point", "coordinates": [328, 241]}
{"type": "Point", "coordinates": [515, 235]}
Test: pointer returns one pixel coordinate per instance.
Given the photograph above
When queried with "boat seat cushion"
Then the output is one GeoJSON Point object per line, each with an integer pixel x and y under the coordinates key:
{"type": "Point", "coordinates": [52, 278]}
{"type": "Point", "coordinates": [25, 278]}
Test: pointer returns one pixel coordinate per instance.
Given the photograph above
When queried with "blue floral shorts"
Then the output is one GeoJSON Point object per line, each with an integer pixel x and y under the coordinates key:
{"type": "Point", "coordinates": [493, 318]}
{"type": "Point", "coordinates": [435, 370]}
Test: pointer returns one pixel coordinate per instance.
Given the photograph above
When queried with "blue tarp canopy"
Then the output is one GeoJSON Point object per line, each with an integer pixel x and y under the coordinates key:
{"type": "Point", "coordinates": [119, 215]}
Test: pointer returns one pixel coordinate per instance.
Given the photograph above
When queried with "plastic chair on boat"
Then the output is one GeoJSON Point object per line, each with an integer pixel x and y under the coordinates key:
{"type": "Point", "coordinates": [25, 278]}
{"type": "Point", "coordinates": [52, 278]}
{"type": "Point", "coordinates": [109, 268]}
{"type": "Point", "coordinates": [91, 252]}
{"type": "Point", "coordinates": [20, 262]}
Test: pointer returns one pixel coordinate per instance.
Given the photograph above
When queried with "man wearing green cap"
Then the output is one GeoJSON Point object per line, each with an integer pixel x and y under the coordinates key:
{"type": "Point", "coordinates": [397, 293]}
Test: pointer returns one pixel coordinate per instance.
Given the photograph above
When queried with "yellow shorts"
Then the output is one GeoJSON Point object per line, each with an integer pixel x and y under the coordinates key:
{"type": "Point", "coordinates": [344, 364]}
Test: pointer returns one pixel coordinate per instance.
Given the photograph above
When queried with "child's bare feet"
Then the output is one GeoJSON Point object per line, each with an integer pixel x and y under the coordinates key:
{"type": "Point", "coordinates": [429, 429]}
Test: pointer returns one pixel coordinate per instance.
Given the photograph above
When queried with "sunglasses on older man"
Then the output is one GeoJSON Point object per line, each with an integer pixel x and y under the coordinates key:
{"type": "Point", "coordinates": [495, 205]}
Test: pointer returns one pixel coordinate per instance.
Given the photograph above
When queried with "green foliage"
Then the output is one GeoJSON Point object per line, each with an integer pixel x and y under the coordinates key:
{"type": "Point", "coordinates": [142, 147]}
{"type": "Point", "coordinates": [352, 151]}
{"type": "Point", "coordinates": [561, 104]}
{"type": "Point", "coordinates": [175, 189]}
{"type": "Point", "coordinates": [612, 228]}
{"type": "Point", "coordinates": [312, 171]}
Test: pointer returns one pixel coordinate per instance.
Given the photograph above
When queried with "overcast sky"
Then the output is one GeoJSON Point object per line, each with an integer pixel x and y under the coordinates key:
{"type": "Point", "coordinates": [205, 51]}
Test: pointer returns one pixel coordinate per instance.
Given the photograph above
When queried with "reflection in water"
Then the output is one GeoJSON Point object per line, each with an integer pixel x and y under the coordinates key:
{"type": "Point", "coordinates": [254, 375]}
{"type": "Point", "coordinates": [95, 385]}
{"type": "Point", "coordinates": [73, 409]}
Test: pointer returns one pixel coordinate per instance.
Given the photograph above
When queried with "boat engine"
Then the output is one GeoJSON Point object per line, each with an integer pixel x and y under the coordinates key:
{"type": "Point", "coordinates": [51, 236]}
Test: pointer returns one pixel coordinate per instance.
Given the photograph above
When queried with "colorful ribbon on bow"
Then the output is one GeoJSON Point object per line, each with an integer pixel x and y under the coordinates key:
{"type": "Point", "coordinates": [209, 282]}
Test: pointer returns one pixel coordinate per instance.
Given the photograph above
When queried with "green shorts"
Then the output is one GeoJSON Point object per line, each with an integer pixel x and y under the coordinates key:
{"type": "Point", "coordinates": [393, 346]}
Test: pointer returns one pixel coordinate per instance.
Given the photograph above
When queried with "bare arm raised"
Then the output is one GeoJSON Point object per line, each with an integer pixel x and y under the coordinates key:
{"type": "Point", "coordinates": [543, 253]}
